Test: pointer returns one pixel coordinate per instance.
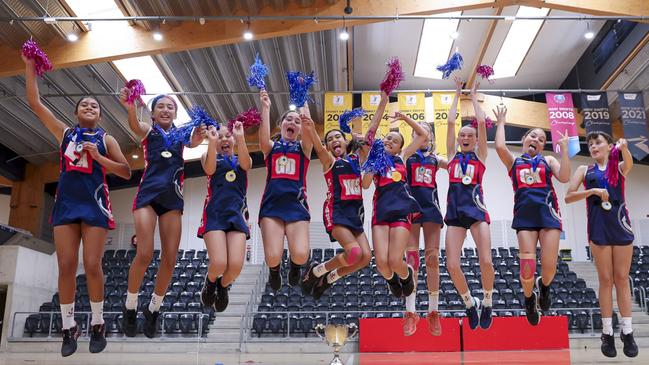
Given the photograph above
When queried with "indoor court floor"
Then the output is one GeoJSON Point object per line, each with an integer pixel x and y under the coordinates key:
{"type": "Point", "coordinates": [563, 357]}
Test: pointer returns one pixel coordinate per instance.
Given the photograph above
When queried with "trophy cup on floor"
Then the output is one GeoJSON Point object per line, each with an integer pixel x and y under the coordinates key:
{"type": "Point", "coordinates": [336, 336]}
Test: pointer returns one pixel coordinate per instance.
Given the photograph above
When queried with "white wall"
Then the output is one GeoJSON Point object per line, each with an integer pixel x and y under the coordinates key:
{"type": "Point", "coordinates": [498, 198]}
{"type": "Point", "coordinates": [4, 208]}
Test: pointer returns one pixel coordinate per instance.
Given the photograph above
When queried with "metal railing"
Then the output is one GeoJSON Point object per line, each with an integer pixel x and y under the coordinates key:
{"type": "Point", "coordinates": [246, 320]}
{"type": "Point", "coordinates": [18, 324]}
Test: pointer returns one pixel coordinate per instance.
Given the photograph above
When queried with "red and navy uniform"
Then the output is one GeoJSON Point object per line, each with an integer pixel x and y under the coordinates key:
{"type": "Point", "coordinates": [161, 185]}
{"type": "Point", "coordinates": [82, 192]}
{"type": "Point", "coordinates": [344, 203]}
{"type": "Point", "coordinates": [607, 227]}
{"type": "Point", "coordinates": [465, 203]}
{"type": "Point", "coordinates": [285, 193]}
{"type": "Point", "coordinates": [393, 202]}
{"type": "Point", "coordinates": [226, 208]}
{"type": "Point", "coordinates": [535, 202]}
{"type": "Point", "coordinates": [423, 186]}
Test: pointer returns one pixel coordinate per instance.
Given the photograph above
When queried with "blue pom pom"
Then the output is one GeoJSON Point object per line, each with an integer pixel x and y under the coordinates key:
{"type": "Point", "coordinates": [298, 85]}
{"type": "Point", "coordinates": [453, 63]}
{"type": "Point", "coordinates": [198, 116]}
{"type": "Point", "coordinates": [258, 72]}
{"type": "Point", "coordinates": [378, 161]}
{"type": "Point", "coordinates": [346, 118]}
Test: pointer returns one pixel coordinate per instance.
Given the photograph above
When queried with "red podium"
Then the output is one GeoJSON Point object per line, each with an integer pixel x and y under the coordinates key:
{"type": "Point", "coordinates": [514, 333]}
{"type": "Point", "coordinates": [386, 335]}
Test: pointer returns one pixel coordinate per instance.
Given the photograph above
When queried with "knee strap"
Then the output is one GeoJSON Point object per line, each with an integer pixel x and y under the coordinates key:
{"type": "Point", "coordinates": [527, 266]}
{"type": "Point", "coordinates": [432, 257]}
{"type": "Point", "coordinates": [353, 255]}
{"type": "Point", "coordinates": [412, 259]}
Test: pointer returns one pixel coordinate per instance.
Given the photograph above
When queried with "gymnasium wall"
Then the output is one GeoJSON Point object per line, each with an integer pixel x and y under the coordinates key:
{"type": "Point", "coordinates": [498, 198]}
{"type": "Point", "coordinates": [4, 208]}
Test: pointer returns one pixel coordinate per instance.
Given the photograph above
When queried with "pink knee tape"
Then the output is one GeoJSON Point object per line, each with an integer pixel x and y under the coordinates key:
{"type": "Point", "coordinates": [412, 258]}
{"type": "Point", "coordinates": [353, 255]}
{"type": "Point", "coordinates": [528, 268]}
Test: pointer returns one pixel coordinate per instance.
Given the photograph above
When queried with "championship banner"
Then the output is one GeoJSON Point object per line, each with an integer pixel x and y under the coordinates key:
{"type": "Point", "coordinates": [596, 114]}
{"type": "Point", "coordinates": [335, 104]}
{"type": "Point", "coordinates": [634, 121]}
{"type": "Point", "coordinates": [414, 106]}
{"type": "Point", "coordinates": [369, 103]}
{"type": "Point", "coordinates": [561, 112]}
{"type": "Point", "coordinates": [441, 105]}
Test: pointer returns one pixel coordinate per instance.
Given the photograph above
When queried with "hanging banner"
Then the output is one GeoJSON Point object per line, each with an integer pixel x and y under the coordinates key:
{"type": "Point", "coordinates": [634, 121]}
{"type": "Point", "coordinates": [369, 103]}
{"type": "Point", "coordinates": [597, 117]}
{"type": "Point", "coordinates": [561, 113]}
{"type": "Point", "coordinates": [335, 104]}
{"type": "Point", "coordinates": [413, 105]}
{"type": "Point", "coordinates": [441, 105]}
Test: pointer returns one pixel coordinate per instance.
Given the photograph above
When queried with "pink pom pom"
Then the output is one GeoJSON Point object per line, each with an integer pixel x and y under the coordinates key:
{"type": "Point", "coordinates": [136, 89]}
{"type": "Point", "coordinates": [612, 168]}
{"type": "Point", "coordinates": [485, 71]}
{"type": "Point", "coordinates": [393, 77]}
{"type": "Point", "coordinates": [31, 51]}
{"type": "Point", "coordinates": [250, 118]}
{"type": "Point", "coordinates": [488, 123]}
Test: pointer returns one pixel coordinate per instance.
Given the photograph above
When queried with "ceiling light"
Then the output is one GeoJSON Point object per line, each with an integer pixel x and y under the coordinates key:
{"type": "Point", "coordinates": [201, 21]}
{"type": "Point", "coordinates": [455, 34]}
{"type": "Point", "coordinates": [510, 18]}
{"type": "Point", "coordinates": [247, 35]}
{"type": "Point", "coordinates": [292, 107]}
{"type": "Point", "coordinates": [589, 33]}
{"type": "Point", "coordinates": [343, 35]}
{"type": "Point", "coordinates": [49, 20]}
{"type": "Point", "coordinates": [72, 37]}
{"type": "Point", "coordinates": [157, 36]}
{"type": "Point", "coordinates": [135, 157]}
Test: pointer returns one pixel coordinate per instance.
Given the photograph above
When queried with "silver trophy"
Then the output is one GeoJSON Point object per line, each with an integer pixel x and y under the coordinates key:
{"type": "Point", "coordinates": [336, 336]}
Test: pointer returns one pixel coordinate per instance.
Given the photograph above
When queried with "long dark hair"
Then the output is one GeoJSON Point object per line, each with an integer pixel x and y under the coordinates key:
{"type": "Point", "coordinates": [352, 146]}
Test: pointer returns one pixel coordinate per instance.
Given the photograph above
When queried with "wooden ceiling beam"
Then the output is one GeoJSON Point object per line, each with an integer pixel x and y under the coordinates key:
{"type": "Point", "coordinates": [113, 43]}
{"type": "Point", "coordinates": [486, 40]}
{"type": "Point", "coordinates": [601, 7]}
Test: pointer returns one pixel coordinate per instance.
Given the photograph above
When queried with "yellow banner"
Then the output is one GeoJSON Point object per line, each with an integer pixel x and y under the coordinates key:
{"type": "Point", "coordinates": [335, 104]}
{"type": "Point", "coordinates": [414, 106]}
{"type": "Point", "coordinates": [370, 102]}
{"type": "Point", "coordinates": [441, 105]}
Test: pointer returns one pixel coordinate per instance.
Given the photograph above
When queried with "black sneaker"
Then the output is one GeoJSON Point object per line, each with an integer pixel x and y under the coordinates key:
{"type": "Point", "coordinates": [97, 338]}
{"type": "Point", "coordinates": [545, 297]}
{"type": "Point", "coordinates": [309, 280]}
{"type": "Point", "coordinates": [294, 274]}
{"type": "Point", "coordinates": [532, 310]}
{"type": "Point", "coordinates": [222, 297]}
{"type": "Point", "coordinates": [472, 314]}
{"type": "Point", "coordinates": [275, 278]}
{"type": "Point", "coordinates": [207, 293]}
{"type": "Point", "coordinates": [630, 347]}
{"type": "Point", "coordinates": [69, 345]}
{"type": "Point", "coordinates": [321, 287]}
{"type": "Point", "coordinates": [485, 317]}
{"type": "Point", "coordinates": [150, 322]}
{"type": "Point", "coordinates": [608, 345]}
{"type": "Point", "coordinates": [408, 284]}
{"type": "Point", "coordinates": [129, 322]}
{"type": "Point", "coordinates": [395, 286]}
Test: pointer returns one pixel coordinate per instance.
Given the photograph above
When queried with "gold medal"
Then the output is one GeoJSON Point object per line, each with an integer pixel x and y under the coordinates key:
{"type": "Point", "coordinates": [466, 180]}
{"type": "Point", "coordinates": [607, 205]}
{"type": "Point", "coordinates": [529, 179]}
{"type": "Point", "coordinates": [282, 160]}
{"type": "Point", "coordinates": [230, 176]}
{"type": "Point", "coordinates": [396, 176]}
{"type": "Point", "coordinates": [165, 154]}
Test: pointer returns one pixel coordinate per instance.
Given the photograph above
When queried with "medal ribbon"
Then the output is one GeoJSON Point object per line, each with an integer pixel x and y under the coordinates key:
{"type": "Point", "coordinates": [353, 163]}
{"type": "Point", "coordinates": [464, 162]}
{"type": "Point", "coordinates": [79, 135]}
{"type": "Point", "coordinates": [165, 137]}
{"type": "Point", "coordinates": [232, 161]}
{"type": "Point", "coordinates": [284, 145]}
{"type": "Point", "coordinates": [421, 156]}
{"type": "Point", "coordinates": [603, 179]}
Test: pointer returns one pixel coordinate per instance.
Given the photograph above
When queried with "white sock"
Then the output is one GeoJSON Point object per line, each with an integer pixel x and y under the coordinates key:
{"type": "Point", "coordinates": [433, 301]}
{"type": "Point", "coordinates": [607, 326]}
{"type": "Point", "coordinates": [319, 270]}
{"type": "Point", "coordinates": [468, 299]}
{"type": "Point", "coordinates": [627, 326]}
{"type": "Point", "coordinates": [410, 302]}
{"type": "Point", "coordinates": [333, 276]}
{"type": "Point", "coordinates": [487, 298]}
{"type": "Point", "coordinates": [67, 316]}
{"type": "Point", "coordinates": [131, 300]}
{"type": "Point", "coordinates": [407, 274]}
{"type": "Point", "coordinates": [97, 309]}
{"type": "Point", "coordinates": [156, 302]}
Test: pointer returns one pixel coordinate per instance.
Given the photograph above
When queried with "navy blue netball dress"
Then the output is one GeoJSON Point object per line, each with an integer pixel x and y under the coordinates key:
{"type": "Point", "coordinates": [344, 203]}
